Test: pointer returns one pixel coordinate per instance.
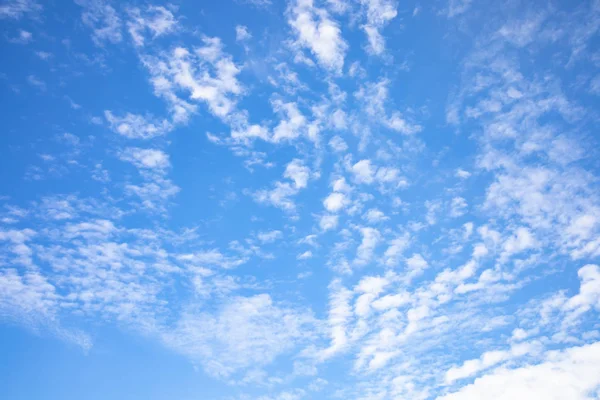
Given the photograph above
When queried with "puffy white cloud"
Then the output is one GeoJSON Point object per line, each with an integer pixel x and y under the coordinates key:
{"type": "Point", "coordinates": [589, 291]}
{"type": "Point", "coordinates": [146, 158]}
{"type": "Point", "coordinates": [316, 31]}
{"type": "Point", "coordinates": [365, 251]}
{"type": "Point", "coordinates": [374, 215]}
{"type": "Point", "coordinates": [396, 249]}
{"type": "Point", "coordinates": [387, 177]}
{"type": "Point", "coordinates": [297, 172]}
{"type": "Point", "coordinates": [363, 171]}
{"type": "Point", "coordinates": [522, 240]}
{"type": "Point", "coordinates": [490, 359]}
{"type": "Point", "coordinates": [280, 196]}
{"type": "Point", "coordinates": [567, 374]}
{"type": "Point", "coordinates": [462, 174]}
{"type": "Point", "coordinates": [282, 193]}
{"type": "Point", "coordinates": [328, 222]}
{"type": "Point", "coordinates": [416, 265]}
{"type": "Point", "coordinates": [335, 202]}
{"type": "Point", "coordinates": [458, 206]}
{"type": "Point", "coordinates": [292, 126]}
{"type": "Point", "coordinates": [206, 74]}
{"type": "Point", "coordinates": [338, 144]}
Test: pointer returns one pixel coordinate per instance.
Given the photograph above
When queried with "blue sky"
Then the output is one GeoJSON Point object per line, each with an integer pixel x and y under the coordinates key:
{"type": "Point", "coordinates": [303, 199]}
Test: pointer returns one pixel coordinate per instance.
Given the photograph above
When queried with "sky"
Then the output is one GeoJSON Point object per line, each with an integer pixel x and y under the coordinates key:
{"type": "Point", "coordinates": [300, 199]}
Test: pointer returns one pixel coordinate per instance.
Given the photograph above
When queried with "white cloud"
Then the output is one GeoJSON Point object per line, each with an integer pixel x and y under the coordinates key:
{"type": "Point", "coordinates": [103, 19]}
{"type": "Point", "coordinates": [335, 202]}
{"type": "Point", "coordinates": [522, 240]}
{"type": "Point", "coordinates": [589, 291]}
{"type": "Point", "coordinates": [398, 123]}
{"type": "Point", "coordinates": [365, 251]}
{"type": "Point", "coordinates": [305, 256]}
{"type": "Point", "coordinates": [416, 265]}
{"type": "Point", "coordinates": [374, 215]}
{"type": "Point", "coordinates": [156, 19]}
{"type": "Point", "coordinates": [378, 14]}
{"type": "Point", "coordinates": [595, 85]}
{"type": "Point", "coordinates": [136, 126]}
{"type": "Point", "coordinates": [374, 97]}
{"type": "Point", "coordinates": [23, 38]}
{"type": "Point", "coordinates": [15, 9]}
{"type": "Point", "coordinates": [458, 207]}
{"type": "Point", "coordinates": [34, 81]}
{"type": "Point", "coordinates": [279, 196]}
{"type": "Point", "coordinates": [489, 359]}
{"type": "Point", "coordinates": [316, 31]}
{"type": "Point", "coordinates": [297, 172]}
{"type": "Point", "coordinates": [339, 120]}
{"type": "Point", "coordinates": [206, 74]}
{"type": "Point", "coordinates": [257, 3]}
{"type": "Point", "coordinates": [146, 158]}
{"type": "Point", "coordinates": [241, 33]}
{"type": "Point", "coordinates": [244, 333]}
{"type": "Point", "coordinates": [462, 174]}
{"type": "Point", "coordinates": [43, 55]}
{"type": "Point", "coordinates": [457, 7]}
{"type": "Point", "coordinates": [433, 208]}
{"type": "Point", "coordinates": [327, 222]}
{"type": "Point", "coordinates": [291, 127]}
{"type": "Point", "coordinates": [282, 193]}
{"type": "Point", "coordinates": [340, 313]}
{"type": "Point", "coordinates": [153, 193]}
{"type": "Point", "coordinates": [396, 249]}
{"type": "Point", "coordinates": [270, 236]}
{"type": "Point", "coordinates": [213, 258]}
{"type": "Point", "coordinates": [363, 171]}
{"type": "Point", "coordinates": [340, 185]}
{"type": "Point", "coordinates": [521, 32]}
{"type": "Point", "coordinates": [338, 144]}
{"type": "Point", "coordinates": [567, 374]}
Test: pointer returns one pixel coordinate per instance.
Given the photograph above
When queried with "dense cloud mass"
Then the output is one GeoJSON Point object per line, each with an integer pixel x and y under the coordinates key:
{"type": "Point", "coordinates": [301, 199]}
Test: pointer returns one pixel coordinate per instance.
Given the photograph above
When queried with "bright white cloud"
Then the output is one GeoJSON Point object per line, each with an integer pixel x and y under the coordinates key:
{"type": "Point", "coordinates": [378, 14]}
{"type": "Point", "coordinates": [298, 173]}
{"type": "Point", "coordinates": [568, 374]}
{"type": "Point", "coordinates": [315, 30]}
{"type": "Point", "coordinates": [146, 158]}
{"type": "Point", "coordinates": [335, 202]}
